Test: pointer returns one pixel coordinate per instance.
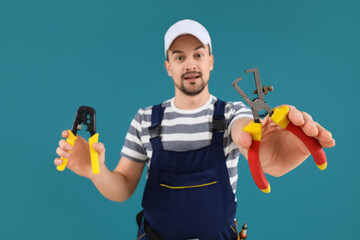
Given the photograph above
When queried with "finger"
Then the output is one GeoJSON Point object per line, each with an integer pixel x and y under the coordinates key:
{"type": "Point", "coordinates": [324, 135]}
{"type": "Point", "coordinates": [58, 161]}
{"type": "Point", "coordinates": [64, 145]}
{"type": "Point", "coordinates": [99, 148]}
{"type": "Point", "coordinates": [65, 134]}
{"type": "Point", "coordinates": [295, 116]}
{"type": "Point", "coordinates": [245, 140]}
{"type": "Point", "coordinates": [329, 144]}
{"type": "Point", "coordinates": [309, 126]}
{"type": "Point", "coordinates": [62, 153]}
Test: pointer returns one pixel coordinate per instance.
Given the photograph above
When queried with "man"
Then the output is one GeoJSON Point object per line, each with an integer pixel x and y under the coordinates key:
{"type": "Point", "coordinates": [191, 181]}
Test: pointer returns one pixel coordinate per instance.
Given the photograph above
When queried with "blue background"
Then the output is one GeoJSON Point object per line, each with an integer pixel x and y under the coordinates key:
{"type": "Point", "coordinates": [58, 55]}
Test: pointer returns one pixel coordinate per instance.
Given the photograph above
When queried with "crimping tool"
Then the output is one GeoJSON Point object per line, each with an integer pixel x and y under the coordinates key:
{"type": "Point", "coordinates": [278, 116]}
{"type": "Point", "coordinates": [86, 116]}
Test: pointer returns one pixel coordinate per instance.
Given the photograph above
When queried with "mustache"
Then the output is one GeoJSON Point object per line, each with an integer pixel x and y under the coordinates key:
{"type": "Point", "coordinates": [183, 75]}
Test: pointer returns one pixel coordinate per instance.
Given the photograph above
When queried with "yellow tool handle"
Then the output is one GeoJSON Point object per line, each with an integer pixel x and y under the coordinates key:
{"type": "Point", "coordinates": [70, 140]}
{"type": "Point", "coordinates": [93, 154]}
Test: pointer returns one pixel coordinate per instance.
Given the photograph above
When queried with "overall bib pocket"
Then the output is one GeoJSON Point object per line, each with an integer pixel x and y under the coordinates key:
{"type": "Point", "coordinates": [190, 194]}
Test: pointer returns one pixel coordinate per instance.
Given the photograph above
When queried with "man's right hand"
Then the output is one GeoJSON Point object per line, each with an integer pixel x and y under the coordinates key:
{"type": "Point", "coordinates": [118, 185]}
{"type": "Point", "coordinates": [79, 155]}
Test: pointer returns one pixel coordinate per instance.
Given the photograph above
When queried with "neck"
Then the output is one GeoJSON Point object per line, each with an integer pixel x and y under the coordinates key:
{"type": "Point", "coordinates": [186, 102]}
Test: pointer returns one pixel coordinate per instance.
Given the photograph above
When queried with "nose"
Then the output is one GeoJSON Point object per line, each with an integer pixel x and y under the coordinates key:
{"type": "Point", "coordinates": [190, 65]}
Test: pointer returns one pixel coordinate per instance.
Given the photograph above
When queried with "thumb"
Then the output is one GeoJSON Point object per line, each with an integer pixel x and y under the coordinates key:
{"type": "Point", "coordinates": [100, 149]}
{"type": "Point", "coordinates": [244, 140]}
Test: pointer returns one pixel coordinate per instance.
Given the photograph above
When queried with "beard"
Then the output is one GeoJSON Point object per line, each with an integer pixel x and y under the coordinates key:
{"type": "Point", "coordinates": [193, 89]}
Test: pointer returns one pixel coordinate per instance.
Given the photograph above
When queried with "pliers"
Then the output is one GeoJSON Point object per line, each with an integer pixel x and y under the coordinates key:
{"type": "Point", "coordinates": [278, 116]}
{"type": "Point", "coordinates": [86, 116]}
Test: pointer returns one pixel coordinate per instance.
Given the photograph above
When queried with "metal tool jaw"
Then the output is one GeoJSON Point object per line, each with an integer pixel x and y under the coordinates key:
{"type": "Point", "coordinates": [86, 116]}
{"type": "Point", "coordinates": [257, 104]}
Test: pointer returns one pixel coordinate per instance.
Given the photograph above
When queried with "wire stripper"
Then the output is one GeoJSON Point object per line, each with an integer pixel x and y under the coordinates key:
{"type": "Point", "coordinates": [86, 116]}
{"type": "Point", "coordinates": [278, 116]}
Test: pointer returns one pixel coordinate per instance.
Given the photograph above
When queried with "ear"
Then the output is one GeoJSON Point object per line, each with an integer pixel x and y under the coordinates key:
{"type": "Point", "coordinates": [168, 68]}
{"type": "Point", "coordinates": [211, 62]}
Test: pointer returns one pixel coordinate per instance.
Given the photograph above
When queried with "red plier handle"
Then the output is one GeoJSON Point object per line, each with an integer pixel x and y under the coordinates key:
{"type": "Point", "coordinates": [279, 117]}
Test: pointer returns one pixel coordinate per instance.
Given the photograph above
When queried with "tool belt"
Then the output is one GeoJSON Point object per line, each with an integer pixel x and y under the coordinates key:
{"type": "Point", "coordinates": [150, 234]}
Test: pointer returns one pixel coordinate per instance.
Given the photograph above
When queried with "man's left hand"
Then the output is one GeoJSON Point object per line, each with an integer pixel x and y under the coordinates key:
{"type": "Point", "coordinates": [280, 150]}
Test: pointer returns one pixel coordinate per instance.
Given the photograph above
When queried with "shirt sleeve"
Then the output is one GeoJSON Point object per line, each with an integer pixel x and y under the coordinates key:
{"type": "Point", "coordinates": [238, 110]}
{"type": "Point", "coordinates": [233, 112]}
{"type": "Point", "coordinates": [133, 148]}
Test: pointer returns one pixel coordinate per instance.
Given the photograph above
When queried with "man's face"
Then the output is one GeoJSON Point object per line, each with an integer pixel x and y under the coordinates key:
{"type": "Point", "coordinates": [189, 64]}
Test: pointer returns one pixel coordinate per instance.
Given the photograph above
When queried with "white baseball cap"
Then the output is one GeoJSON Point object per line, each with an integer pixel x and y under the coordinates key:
{"type": "Point", "coordinates": [186, 26]}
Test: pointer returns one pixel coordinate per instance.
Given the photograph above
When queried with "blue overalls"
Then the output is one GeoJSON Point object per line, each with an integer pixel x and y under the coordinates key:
{"type": "Point", "coordinates": [188, 194]}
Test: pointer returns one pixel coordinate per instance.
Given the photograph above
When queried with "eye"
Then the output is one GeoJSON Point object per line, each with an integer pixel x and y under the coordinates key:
{"type": "Point", "coordinates": [179, 58]}
{"type": "Point", "coordinates": [199, 55]}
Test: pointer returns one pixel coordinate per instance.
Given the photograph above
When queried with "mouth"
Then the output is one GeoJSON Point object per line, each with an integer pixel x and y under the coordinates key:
{"type": "Point", "coordinates": [191, 76]}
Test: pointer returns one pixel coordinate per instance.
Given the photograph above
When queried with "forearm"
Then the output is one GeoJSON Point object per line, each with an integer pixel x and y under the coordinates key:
{"type": "Point", "coordinates": [112, 185]}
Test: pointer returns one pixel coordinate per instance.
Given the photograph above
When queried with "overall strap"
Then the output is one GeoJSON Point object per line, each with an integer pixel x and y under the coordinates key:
{"type": "Point", "coordinates": [154, 130]}
{"type": "Point", "coordinates": [219, 123]}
